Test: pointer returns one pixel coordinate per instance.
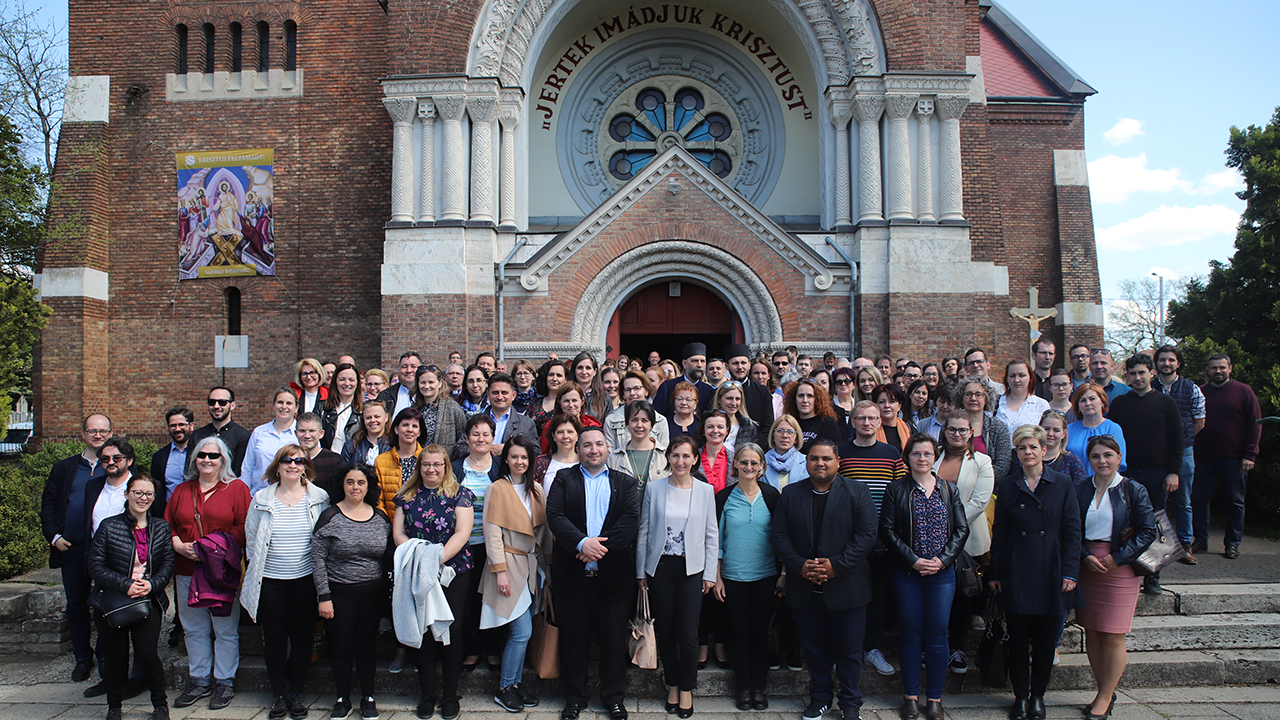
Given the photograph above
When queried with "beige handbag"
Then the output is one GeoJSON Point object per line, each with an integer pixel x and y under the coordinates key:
{"type": "Point", "coordinates": [643, 642]}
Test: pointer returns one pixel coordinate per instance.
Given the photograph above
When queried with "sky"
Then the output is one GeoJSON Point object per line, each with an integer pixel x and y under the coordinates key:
{"type": "Point", "coordinates": [1172, 77]}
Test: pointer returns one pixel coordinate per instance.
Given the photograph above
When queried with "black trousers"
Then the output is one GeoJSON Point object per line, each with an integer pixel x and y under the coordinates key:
{"type": "Point", "coordinates": [482, 643]}
{"type": "Point", "coordinates": [287, 613]}
{"type": "Point", "coordinates": [676, 601]}
{"type": "Point", "coordinates": [458, 595]}
{"type": "Point", "coordinates": [1032, 639]}
{"type": "Point", "coordinates": [878, 608]}
{"type": "Point", "coordinates": [581, 610]}
{"type": "Point", "coordinates": [357, 608]}
{"type": "Point", "coordinates": [144, 634]}
{"type": "Point", "coordinates": [747, 607]}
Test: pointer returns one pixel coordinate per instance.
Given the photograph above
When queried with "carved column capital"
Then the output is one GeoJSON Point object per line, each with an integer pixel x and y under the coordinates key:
{"type": "Point", "coordinates": [509, 115]}
{"type": "Point", "coordinates": [427, 110]}
{"type": "Point", "coordinates": [840, 102]}
{"type": "Point", "coordinates": [924, 108]}
{"type": "Point", "coordinates": [450, 107]}
{"type": "Point", "coordinates": [482, 109]}
{"type": "Point", "coordinates": [951, 107]}
{"type": "Point", "coordinates": [401, 109]}
{"type": "Point", "coordinates": [898, 106]}
{"type": "Point", "coordinates": [868, 108]}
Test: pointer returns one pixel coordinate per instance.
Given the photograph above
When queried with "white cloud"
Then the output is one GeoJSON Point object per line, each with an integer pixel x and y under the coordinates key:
{"type": "Point", "coordinates": [1167, 226]}
{"type": "Point", "coordinates": [1113, 178]}
{"type": "Point", "coordinates": [1219, 181]}
{"type": "Point", "coordinates": [1124, 131]}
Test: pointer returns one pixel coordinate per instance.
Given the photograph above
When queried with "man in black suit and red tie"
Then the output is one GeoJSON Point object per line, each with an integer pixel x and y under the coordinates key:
{"type": "Point", "coordinates": [594, 513]}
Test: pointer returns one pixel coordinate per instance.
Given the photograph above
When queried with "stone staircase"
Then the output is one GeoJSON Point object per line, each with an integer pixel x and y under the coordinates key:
{"type": "Point", "coordinates": [1193, 635]}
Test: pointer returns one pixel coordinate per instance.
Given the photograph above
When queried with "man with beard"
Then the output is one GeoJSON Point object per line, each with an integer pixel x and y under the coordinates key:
{"type": "Point", "coordinates": [756, 402]}
{"type": "Point", "coordinates": [695, 364]}
{"type": "Point", "coordinates": [400, 395]}
{"type": "Point", "coordinates": [1225, 452]}
{"type": "Point", "coordinates": [222, 403]}
{"type": "Point", "coordinates": [168, 465]}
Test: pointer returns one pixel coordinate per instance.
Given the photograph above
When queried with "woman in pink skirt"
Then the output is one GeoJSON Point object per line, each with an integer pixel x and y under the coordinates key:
{"type": "Point", "coordinates": [1118, 527]}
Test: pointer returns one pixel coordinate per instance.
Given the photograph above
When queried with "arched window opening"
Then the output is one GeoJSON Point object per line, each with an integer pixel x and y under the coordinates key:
{"type": "Point", "coordinates": [290, 45]}
{"type": "Point", "coordinates": [210, 54]}
{"type": "Point", "coordinates": [232, 298]}
{"type": "Point", "coordinates": [180, 34]}
{"type": "Point", "coordinates": [264, 47]}
{"type": "Point", "coordinates": [237, 48]}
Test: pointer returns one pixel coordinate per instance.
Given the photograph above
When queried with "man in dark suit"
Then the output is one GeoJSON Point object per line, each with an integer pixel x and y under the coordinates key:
{"type": "Point", "coordinates": [509, 422]}
{"type": "Point", "coordinates": [757, 401]}
{"type": "Point", "coordinates": [695, 364]}
{"type": "Point", "coordinates": [64, 520]}
{"type": "Point", "coordinates": [594, 513]}
{"type": "Point", "coordinates": [170, 462]}
{"type": "Point", "coordinates": [222, 404]}
{"type": "Point", "coordinates": [823, 529]}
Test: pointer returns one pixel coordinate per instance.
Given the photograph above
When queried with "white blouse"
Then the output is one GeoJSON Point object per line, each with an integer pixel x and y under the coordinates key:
{"type": "Point", "coordinates": [1098, 520]}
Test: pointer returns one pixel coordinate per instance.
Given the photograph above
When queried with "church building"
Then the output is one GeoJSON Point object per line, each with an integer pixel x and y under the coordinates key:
{"type": "Point", "coordinates": [249, 183]}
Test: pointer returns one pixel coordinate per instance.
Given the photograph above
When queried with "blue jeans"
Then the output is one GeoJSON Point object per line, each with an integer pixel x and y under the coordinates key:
{"type": "Point", "coordinates": [513, 656]}
{"type": "Point", "coordinates": [1179, 503]}
{"type": "Point", "coordinates": [1208, 472]}
{"type": "Point", "coordinates": [924, 607]}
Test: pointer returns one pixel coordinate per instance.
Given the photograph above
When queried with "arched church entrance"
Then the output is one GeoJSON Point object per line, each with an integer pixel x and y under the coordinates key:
{"type": "Point", "coordinates": [669, 313]}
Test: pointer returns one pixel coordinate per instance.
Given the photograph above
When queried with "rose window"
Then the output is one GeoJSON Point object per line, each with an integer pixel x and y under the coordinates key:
{"type": "Point", "coordinates": [659, 113]}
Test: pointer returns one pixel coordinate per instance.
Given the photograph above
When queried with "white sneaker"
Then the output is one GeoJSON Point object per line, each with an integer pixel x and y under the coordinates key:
{"type": "Point", "coordinates": [876, 659]}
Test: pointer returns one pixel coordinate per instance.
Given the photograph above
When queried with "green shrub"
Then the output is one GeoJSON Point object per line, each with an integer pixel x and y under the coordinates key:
{"type": "Point", "coordinates": [22, 547]}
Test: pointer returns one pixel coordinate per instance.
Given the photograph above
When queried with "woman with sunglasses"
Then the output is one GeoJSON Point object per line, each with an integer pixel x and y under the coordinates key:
{"type": "Point", "coordinates": [209, 500]}
{"type": "Point", "coordinates": [279, 592]}
{"type": "Point", "coordinates": [132, 554]}
{"type": "Point", "coordinates": [843, 400]}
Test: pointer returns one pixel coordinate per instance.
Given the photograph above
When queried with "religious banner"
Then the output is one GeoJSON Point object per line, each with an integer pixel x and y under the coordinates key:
{"type": "Point", "coordinates": [226, 225]}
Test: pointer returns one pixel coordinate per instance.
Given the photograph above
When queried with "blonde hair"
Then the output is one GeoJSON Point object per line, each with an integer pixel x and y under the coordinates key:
{"type": "Point", "coordinates": [448, 486]}
{"type": "Point", "coordinates": [315, 365]}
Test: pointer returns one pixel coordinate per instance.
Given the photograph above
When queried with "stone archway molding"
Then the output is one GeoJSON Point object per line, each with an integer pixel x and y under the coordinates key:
{"type": "Point", "coordinates": [676, 259]}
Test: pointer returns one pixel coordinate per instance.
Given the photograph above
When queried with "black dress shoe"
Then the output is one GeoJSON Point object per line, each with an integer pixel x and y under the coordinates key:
{"type": "Point", "coordinates": [617, 712]}
{"type": "Point", "coordinates": [744, 701]}
{"type": "Point", "coordinates": [571, 711]}
{"type": "Point", "coordinates": [96, 690]}
{"type": "Point", "coordinates": [759, 701]}
{"type": "Point", "coordinates": [933, 710]}
{"type": "Point", "coordinates": [81, 673]}
{"type": "Point", "coordinates": [910, 709]}
{"type": "Point", "coordinates": [1036, 709]}
{"type": "Point", "coordinates": [683, 712]}
{"type": "Point", "coordinates": [1018, 710]}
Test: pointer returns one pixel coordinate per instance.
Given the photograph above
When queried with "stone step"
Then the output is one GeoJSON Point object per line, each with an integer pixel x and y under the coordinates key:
{"type": "Point", "coordinates": [1218, 599]}
{"type": "Point", "coordinates": [1205, 632]}
{"type": "Point", "coordinates": [1145, 669]}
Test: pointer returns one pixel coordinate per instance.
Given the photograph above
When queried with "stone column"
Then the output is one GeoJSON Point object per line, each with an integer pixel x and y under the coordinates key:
{"type": "Point", "coordinates": [924, 161]}
{"type": "Point", "coordinates": [401, 111]}
{"type": "Point", "coordinates": [454, 199]}
{"type": "Point", "coordinates": [867, 109]}
{"type": "Point", "coordinates": [508, 119]}
{"type": "Point", "coordinates": [898, 107]}
{"type": "Point", "coordinates": [481, 110]}
{"type": "Point", "coordinates": [950, 108]}
{"type": "Point", "coordinates": [427, 191]}
{"type": "Point", "coordinates": [841, 112]}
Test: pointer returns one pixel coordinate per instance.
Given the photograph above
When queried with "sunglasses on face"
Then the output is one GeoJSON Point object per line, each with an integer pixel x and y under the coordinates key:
{"type": "Point", "coordinates": [293, 461]}
{"type": "Point", "coordinates": [209, 456]}
{"type": "Point", "coordinates": [218, 402]}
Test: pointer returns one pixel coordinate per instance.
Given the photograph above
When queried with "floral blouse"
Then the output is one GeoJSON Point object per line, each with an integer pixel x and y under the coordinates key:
{"type": "Point", "coordinates": [430, 516]}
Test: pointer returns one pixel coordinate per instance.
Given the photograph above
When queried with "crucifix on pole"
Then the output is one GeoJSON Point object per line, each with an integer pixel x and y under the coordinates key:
{"type": "Point", "coordinates": [1034, 314]}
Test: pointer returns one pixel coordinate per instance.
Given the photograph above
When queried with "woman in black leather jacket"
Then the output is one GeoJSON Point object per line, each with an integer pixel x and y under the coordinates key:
{"type": "Point", "coordinates": [922, 523]}
{"type": "Point", "coordinates": [132, 554]}
{"type": "Point", "coordinates": [1119, 525]}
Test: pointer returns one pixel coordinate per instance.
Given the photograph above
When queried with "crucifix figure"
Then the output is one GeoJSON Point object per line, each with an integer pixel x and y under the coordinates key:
{"type": "Point", "coordinates": [1034, 314]}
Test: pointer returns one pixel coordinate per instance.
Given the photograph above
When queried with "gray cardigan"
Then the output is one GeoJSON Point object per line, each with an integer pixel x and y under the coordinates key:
{"type": "Point", "coordinates": [702, 550]}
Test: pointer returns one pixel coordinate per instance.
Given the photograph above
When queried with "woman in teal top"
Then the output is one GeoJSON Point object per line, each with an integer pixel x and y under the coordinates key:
{"type": "Point", "coordinates": [748, 576]}
{"type": "Point", "coordinates": [476, 472]}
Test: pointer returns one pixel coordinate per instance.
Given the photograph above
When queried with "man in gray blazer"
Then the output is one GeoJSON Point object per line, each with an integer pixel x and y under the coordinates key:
{"type": "Point", "coordinates": [823, 529]}
{"type": "Point", "coordinates": [510, 423]}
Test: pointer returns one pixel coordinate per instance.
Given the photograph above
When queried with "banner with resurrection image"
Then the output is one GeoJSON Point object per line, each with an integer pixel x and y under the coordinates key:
{"type": "Point", "coordinates": [226, 226]}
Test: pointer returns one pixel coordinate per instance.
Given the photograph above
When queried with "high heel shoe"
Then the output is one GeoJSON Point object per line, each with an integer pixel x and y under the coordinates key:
{"type": "Point", "coordinates": [1105, 713]}
{"type": "Point", "coordinates": [683, 712]}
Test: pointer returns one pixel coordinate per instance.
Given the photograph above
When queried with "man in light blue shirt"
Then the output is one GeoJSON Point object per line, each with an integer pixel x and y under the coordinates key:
{"type": "Point", "coordinates": [170, 461]}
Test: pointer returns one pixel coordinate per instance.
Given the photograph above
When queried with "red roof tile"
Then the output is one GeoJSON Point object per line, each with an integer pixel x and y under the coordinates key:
{"type": "Point", "coordinates": [1004, 71]}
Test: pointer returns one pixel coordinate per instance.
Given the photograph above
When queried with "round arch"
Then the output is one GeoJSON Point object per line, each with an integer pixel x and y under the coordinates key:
{"type": "Point", "coordinates": [725, 275]}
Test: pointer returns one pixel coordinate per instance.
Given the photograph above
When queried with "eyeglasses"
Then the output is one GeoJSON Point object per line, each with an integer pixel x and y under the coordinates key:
{"type": "Point", "coordinates": [434, 465]}
{"type": "Point", "coordinates": [142, 494]}
{"type": "Point", "coordinates": [219, 402]}
{"type": "Point", "coordinates": [844, 381]}
{"type": "Point", "coordinates": [310, 373]}
{"type": "Point", "coordinates": [975, 394]}
{"type": "Point", "coordinates": [208, 456]}
{"type": "Point", "coordinates": [864, 418]}
{"type": "Point", "coordinates": [749, 463]}
{"type": "Point", "coordinates": [958, 431]}
{"type": "Point", "coordinates": [97, 433]}
{"type": "Point", "coordinates": [293, 461]}
{"type": "Point", "coordinates": [112, 459]}
{"type": "Point", "coordinates": [1060, 385]}
{"type": "Point", "coordinates": [784, 431]}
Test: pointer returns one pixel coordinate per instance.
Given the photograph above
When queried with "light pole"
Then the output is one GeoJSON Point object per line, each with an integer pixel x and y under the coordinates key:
{"type": "Point", "coordinates": [1161, 342]}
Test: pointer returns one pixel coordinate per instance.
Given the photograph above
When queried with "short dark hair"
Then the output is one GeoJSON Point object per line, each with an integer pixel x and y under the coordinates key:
{"type": "Point", "coordinates": [1171, 349]}
{"type": "Point", "coordinates": [1139, 359]}
{"type": "Point", "coordinates": [308, 417]}
{"type": "Point", "coordinates": [500, 377]}
{"type": "Point", "coordinates": [638, 406]}
{"type": "Point", "coordinates": [1219, 356]}
{"type": "Point", "coordinates": [973, 350]}
{"type": "Point", "coordinates": [1038, 343]}
{"type": "Point", "coordinates": [121, 444]}
{"type": "Point", "coordinates": [826, 442]}
{"type": "Point", "coordinates": [783, 353]}
{"type": "Point", "coordinates": [1072, 349]}
{"type": "Point", "coordinates": [530, 448]}
{"type": "Point", "coordinates": [486, 353]}
{"type": "Point", "coordinates": [231, 394]}
{"type": "Point", "coordinates": [373, 491]}
{"type": "Point", "coordinates": [480, 419]}
{"type": "Point", "coordinates": [411, 353]}
{"type": "Point", "coordinates": [894, 392]}
{"type": "Point", "coordinates": [180, 410]}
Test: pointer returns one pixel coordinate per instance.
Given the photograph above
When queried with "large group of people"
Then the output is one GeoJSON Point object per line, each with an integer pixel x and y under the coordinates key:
{"type": "Point", "coordinates": [758, 504]}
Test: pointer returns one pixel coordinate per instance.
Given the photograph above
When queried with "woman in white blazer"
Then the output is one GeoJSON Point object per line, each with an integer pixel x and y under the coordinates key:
{"type": "Point", "coordinates": [974, 476]}
{"type": "Point", "coordinates": [677, 553]}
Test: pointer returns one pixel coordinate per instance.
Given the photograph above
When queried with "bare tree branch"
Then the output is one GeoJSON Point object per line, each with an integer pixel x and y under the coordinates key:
{"type": "Point", "coordinates": [1133, 321]}
{"type": "Point", "coordinates": [33, 77]}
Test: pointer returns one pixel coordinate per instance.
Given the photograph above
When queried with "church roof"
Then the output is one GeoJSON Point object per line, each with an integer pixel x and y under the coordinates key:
{"type": "Point", "coordinates": [1015, 64]}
